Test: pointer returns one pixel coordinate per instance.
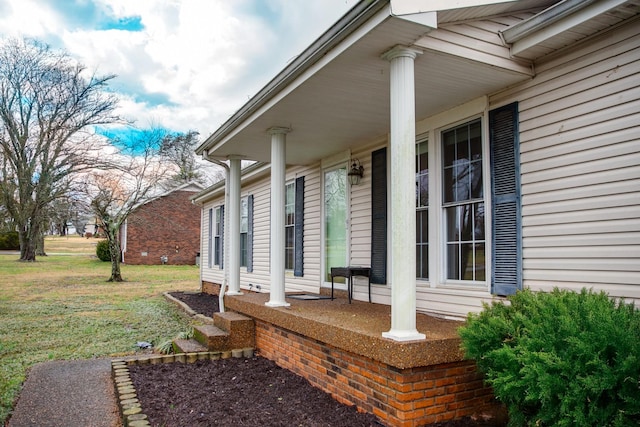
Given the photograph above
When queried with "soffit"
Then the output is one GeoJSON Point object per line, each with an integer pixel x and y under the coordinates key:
{"type": "Point", "coordinates": [345, 104]}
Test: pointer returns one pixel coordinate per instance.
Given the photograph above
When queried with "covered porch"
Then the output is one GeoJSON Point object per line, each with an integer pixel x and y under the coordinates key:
{"type": "Point", "coordinates": [338, 347]}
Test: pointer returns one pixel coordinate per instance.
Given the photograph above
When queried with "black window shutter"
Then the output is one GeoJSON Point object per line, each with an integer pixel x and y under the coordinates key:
{"type": "Point", "coordinates": [250, 233]}
{"type": "Point", "coordinates": [298, 267]}
{"type": "Point", "coordinates": [379, 216]}
{"type": "Point", "coordinates": [506, 276]}
{"type": "Point", "coordinates": [221, 237]}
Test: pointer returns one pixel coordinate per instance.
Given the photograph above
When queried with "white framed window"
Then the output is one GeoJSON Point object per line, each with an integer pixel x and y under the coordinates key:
{"type": "Point", "coordinates": [450, 211]}
{"type": "Point", "coordinates": [289, 225]}
{"type": "Point", "coordinates": [217, 239]}
{"type": "Point", "coordinates": [244, 230]}
{"type": "Point", "coordinates": [422, 210]}
{"type": "Point", "coordinates": [463, 206]}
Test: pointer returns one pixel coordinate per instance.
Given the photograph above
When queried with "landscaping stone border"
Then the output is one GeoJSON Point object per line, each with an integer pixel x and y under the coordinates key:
{"type": "Point", "coordinates": [127, 396]}
{"type": "Point", "coordinates": [187, 309]}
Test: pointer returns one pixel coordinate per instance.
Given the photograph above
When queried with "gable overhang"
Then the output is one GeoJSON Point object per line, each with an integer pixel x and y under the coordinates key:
{"type": "Point", "coordinates": [558, 19]}
{"type": "Point", "coordinates": [335, 96]}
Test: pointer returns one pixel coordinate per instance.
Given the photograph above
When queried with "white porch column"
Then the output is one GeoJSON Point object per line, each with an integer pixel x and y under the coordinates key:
{"type": "Point", "coordinates": [278, 169]}
{"type": "Point", "coordinates": [234, 226]}
{"type": "Point", "coordinates": [403, 195]}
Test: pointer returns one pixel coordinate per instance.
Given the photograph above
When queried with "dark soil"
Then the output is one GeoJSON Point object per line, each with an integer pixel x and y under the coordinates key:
{"type": "Point", "coordinates": [237, 392]}
{"type": "Point", "coordinates": [202, 303]}
{"type": "Point", "coordinates": [243, 392]}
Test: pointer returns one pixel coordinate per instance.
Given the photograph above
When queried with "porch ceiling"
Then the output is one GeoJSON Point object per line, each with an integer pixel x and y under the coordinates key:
{"type": "Point", "coordinates": [345, 102]}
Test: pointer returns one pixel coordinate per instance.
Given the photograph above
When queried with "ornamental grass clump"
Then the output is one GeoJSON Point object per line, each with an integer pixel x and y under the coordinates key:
{"type": "Point", "coordinates": [561, 358]}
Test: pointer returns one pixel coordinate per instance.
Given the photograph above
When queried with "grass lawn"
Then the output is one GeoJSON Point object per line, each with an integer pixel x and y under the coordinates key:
{"type": "Point", "coordinates": [61, 307]}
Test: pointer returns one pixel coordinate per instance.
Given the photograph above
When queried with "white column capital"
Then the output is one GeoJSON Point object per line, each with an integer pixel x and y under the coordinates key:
{"type": "Point", "coordinates": [278, 130]}
{"type": "Point", "coordinates": [400, 51]}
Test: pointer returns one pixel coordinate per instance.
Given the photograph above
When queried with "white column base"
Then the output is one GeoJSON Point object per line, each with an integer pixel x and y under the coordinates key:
{"type": "Point", "coordinates": [402, 335]}
{"type": "Point", "coordinates": [234, 293]}
{"type": "Point", "coordinates": [276, 304]}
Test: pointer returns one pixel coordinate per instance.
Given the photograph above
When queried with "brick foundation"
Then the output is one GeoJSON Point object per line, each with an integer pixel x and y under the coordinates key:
{"type": "Point", "coordinates": [399, 397]}
{"type": "Point", "coordinates": [210, 288]}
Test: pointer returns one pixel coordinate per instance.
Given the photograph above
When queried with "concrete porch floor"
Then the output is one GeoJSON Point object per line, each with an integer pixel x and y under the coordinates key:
{"type": "Point", "coordinates": [357, 328]}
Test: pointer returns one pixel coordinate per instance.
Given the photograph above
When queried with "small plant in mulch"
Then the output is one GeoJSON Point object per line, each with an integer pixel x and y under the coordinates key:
{"type": "Point", "coordinates": [167, 346]}
{"type": "Point", "coordinates": [561, 358]}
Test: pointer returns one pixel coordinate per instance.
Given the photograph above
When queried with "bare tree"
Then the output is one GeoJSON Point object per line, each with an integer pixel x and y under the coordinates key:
{"type": "Point", "coordinates": [135, 175]}
{"type": "Point", "coordinates": [48, 106]}
{"type": "Point", "coordinates": [178, 152]}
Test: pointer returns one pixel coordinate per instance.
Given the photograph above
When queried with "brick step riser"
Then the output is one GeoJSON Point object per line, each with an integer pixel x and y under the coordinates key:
{"type": "Point", "coordinates": [213, 338]}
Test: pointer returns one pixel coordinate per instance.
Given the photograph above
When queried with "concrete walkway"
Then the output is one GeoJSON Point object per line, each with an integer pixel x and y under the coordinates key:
{"type": "Point", "coordinates": [77, 393]}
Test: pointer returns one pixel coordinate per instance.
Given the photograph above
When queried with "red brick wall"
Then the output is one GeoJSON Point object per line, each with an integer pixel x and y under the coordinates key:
{"type": "Point", "coordinates": [398, 397]}
{"type": "Point", "coordinates": [169, 225]}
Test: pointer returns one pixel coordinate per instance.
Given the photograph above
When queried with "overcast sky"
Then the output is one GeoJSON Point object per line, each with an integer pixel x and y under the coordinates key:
{"type": "Point", "coordinates": [180, 64]}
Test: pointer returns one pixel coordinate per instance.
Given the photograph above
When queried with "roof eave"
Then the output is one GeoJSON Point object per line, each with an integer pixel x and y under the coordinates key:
{"type": "Point", "coordinates": [353, 19]}
{"type": "Point", "coordinates": [553, 21]}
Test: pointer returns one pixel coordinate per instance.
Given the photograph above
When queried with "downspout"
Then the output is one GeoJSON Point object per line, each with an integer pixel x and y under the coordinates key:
{"type": "Point", "coordinates": [225, 280]}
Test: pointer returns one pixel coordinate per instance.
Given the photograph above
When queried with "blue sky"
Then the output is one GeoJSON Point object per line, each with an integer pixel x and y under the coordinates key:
{"type": "Point", "coordinates": [180, 64]}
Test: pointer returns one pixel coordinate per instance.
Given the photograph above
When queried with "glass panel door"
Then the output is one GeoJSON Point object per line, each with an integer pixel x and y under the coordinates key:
{"type": "Point", "coordinates": [335, 221]}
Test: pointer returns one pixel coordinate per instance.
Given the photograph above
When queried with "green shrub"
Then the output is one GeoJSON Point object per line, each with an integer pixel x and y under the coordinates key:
{"type": "Point", "coordinates": [10, 241]}
{"type": "Point", "coordinates": [561, 358]}
{"type": "Point", "coordinates": [102, 250]}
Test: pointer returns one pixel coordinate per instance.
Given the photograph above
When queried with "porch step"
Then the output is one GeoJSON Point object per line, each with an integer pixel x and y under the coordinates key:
{"type": "Point", "coordinates": [230, 331]}
{"type": "Point", "coordinates": [211, 337]}
{"type": "Point", "coordinates": [188, 346]}
{"type": "Point", "coordinates": [242, 331]}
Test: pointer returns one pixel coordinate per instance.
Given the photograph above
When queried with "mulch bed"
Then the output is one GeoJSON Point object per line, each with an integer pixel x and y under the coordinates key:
{"type": "Point", "coordinates": [243, 392]}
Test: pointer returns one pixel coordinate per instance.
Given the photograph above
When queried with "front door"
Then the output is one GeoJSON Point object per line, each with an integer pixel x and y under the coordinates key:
{"type": "Point", "coordinates": [335, 220]}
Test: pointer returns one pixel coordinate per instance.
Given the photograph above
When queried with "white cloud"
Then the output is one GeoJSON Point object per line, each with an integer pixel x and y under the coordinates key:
{"type": "Point", "coordinates": [194, 63]}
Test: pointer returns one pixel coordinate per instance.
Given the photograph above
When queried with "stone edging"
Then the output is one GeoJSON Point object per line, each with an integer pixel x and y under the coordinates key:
{"type": "Point", "coordinates": [128, 403]}
{"type": "Point", "coordinates": [187, 309]}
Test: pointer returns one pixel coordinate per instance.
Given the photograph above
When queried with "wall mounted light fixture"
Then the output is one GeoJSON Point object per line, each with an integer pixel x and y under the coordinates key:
{"type": "Point", "coordinates": [356, 172]}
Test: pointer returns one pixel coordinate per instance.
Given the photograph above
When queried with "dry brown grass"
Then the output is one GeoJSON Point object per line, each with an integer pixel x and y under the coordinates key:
{"type": "Point", "coordinates": [70, 244]}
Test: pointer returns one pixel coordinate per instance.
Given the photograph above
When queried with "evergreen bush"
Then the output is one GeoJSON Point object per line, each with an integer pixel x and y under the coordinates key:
{"type": "Point", "coordinates": [102, 251]}
{"type": "Point", "coordinates": [561, 358]}
{"type": "Point", "coordinates": [10, 241]}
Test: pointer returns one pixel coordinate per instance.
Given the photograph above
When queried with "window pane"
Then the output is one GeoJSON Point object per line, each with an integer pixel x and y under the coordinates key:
{"type": "Point", "coordinates": [244, 215]}
{"type": "Point", "coordinates": [422, 244]}
{"type": "Point", "coordinates": [422, 174]}
{"type": "Point", "coordinates": [290, 215]}
{"type": "Point", "coordinates": [462, 181]}
{"type": "Point", "coordinates": [453, 261]}
{"type": "Point", "coordinates": [479, 262]}
{"type": "Point", "coordinates": [475, 180]}
{"type": "Point", "coordinates": [216, 250]}
{"type": "Point", "coordinates": [462, 163]}
{"type": "Point", "coordinates": [422, 213]}
{"type": "Point", "coordinates": [289, 248]}
{"type": "Point", "coordinates": [243, 249]}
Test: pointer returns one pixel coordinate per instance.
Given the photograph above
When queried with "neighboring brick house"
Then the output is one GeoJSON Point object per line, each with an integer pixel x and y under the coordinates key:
{"type": "Point", "coordinates": [166, 226]}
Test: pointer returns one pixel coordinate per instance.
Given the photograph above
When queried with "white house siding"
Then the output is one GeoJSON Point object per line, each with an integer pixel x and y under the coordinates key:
{"type": "Point", "coordinates": [580, 166]}
{"type": "Point", "coordinates": [310, 282]}
{"type": "Point", "coordinates": [213, 274]}
{"type": "Point", "coordinates": [360, 229]}
{"type": "Point", "coordinates": [477, 40]}
{"type": "Point", "coordinates": [261, 192]}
